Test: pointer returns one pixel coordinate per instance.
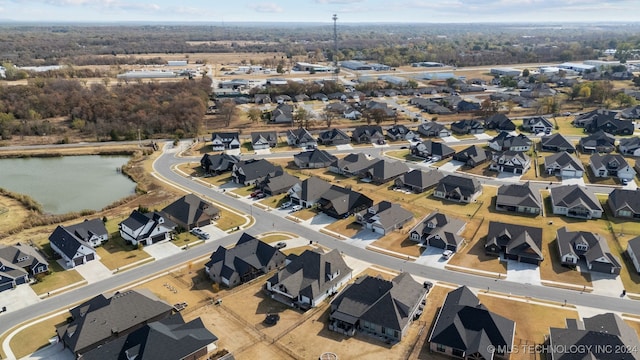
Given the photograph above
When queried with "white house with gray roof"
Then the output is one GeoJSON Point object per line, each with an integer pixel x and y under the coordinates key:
{"type": "Point", "coordinates": [629, 146]}
{"type": "Point", "coordinates": [518, 198]}
{"type": "Point", "coordinates": [439, 230]}
{"type": "Point", "coordinates": [384, 217]}
{"type": "Point", "coordinates": [309, 191]}
{"type": "Point", "coordinates": [625, 203]}
{"type": "Point", "coordinates": [564, 165]}
{"type": "Point", "coordinates": [76, 243]}
{"type": "Point", "coordinates": [591, 247]}
{"type": "Point", "coordinates": [575, 201]}
{"type": "Point", "coordinates": [633, 250]}
{"type": "Point", "coordinates": [146, 228]}
{"type": "Point", "coordinates": [611, 165]}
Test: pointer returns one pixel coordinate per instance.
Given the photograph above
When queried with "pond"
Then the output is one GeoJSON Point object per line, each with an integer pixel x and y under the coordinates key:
{"type": "Point", "coordinates": [69, 183]}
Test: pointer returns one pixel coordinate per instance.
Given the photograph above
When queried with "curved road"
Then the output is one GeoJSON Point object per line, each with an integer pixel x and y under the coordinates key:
{"type": "Point", "coordinates": [268, 222]}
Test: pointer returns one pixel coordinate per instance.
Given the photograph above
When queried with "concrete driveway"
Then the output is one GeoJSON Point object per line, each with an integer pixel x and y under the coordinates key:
{"type": "Point", "coordinates": [214, 232]}
{"type": "Point", "coordinates": [162, 250]}
{"type": "Point", "coordinates": [364, 238]}
{"type": "Point", "coordinates": [93, 271]}
{"type": "Point", "coordinates": [52, 352]}
{"type": "Point", "coordinates": [573, 181]}
{"type": "Point", "coordinates": [451, 166]}
{"type": "Point", "coordinates": [18, 298]}
{"type": "Point", "coordinates": [450, 139]}
{"type": "Point", "coordinates": [344, 147]}
{"type": "Point", "coordinates": [482, 136]}
{"type": "Point", "coordinates": [432, 256]}
{"type": "Point", "coordinates": [319, 221]}
{"type": "Point", "coordinates": [523, 273]}
{"type": "Point", "coordinates": [606, 284]}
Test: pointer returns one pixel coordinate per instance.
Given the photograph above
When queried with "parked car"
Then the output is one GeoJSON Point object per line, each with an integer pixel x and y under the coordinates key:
{"type": "Point", "coordinates": [200, 233]}
{"type": "Point", "coordinates": [256, 193]}
{"type": "Point", "coordinates": [296, 208]}
{"type": "Point", "coordinates": [281, 245]}
{"type": "Point", "coordinates": [286, 205]}
{"type": "Point", "coordinates": [447, 254]}
{"type": "Point", "coordinates": [261, 195]}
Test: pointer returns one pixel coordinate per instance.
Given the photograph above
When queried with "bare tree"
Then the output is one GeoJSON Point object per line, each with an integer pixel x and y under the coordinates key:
{"type": "Point", "coordinates": [328, 117]}
{"type": "Point", "coordinates": [227, 111]}
{"type": "Point", "coordinates": [254, 114]}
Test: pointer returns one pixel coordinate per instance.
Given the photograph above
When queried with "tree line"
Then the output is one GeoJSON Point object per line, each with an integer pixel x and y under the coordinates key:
{"type": "Point", "coordinates": [148, 110]}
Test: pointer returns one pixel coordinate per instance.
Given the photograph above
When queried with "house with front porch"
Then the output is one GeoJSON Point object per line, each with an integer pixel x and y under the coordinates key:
{"type": "Point", "coordinates": [511, 162]}
{"type": "Point", "coordinates": [146, 228]}
{"type": "Point", "coordinates": [515, 242]}
{"type": "Point", "coordinates": [611, 165]}
{"type": "Point", "coordinates": [433, 129]}
{"type": "Point", "coordinates": [575, 201]}
{"type": "Point", "coordinates": [309, 278]}
{"type": "Point", "coordinates": [218, 163]}
{"type": "Point", "coordinates": [301, 137]}
{"type": "Point", "coordinates": [261, 140]}
{"type": "Point", "coordinates": [564, 165]}
{"type": "Point", "coordinates": [418, 180]}
{"type": "Point", "coordinates": [308, 192]}
{"type": "Point", "coordinates": [400, 132]}
{"type": "Point", "coordinates": [518, 198]}
{"type": "Point", "coordinates": [537, 124]}
{"type": "Point", "coordinates": [458, 188]}
{"type": "Point", "coordinates": [588, 246]}
{"type": "Point", "coordinates": [598, 142]}
{"type": "Point", "coordinates": [221, 141]}
{"type": "Point", "coordinates": [359, 306]}
{"type": "Point", "coordinates": [76, 243]}
{"type": "Point", "coordinates": [506, 141]}
{"type": "Point", "coordinates": [439, 230]}
{"type": "Point", "coordinates": [465, 329]}
{"type": "Point", "coordinates": [333, 137]}
{"type": "Point", "coordinates": [18, 264]}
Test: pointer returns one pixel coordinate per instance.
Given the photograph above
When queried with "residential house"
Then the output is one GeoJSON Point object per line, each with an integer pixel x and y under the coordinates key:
{"type": "Point", "coordinates": [282, 114]}
{"type": "Point", "coordinates": [467, 106]}
{"type": "Point", "coordinates": [367, 134]}
{"type": "Point", "coordinates": [339, 202]}
{"type": "Point", "coordinates": [146, 228]}
{"type": "Point", "coordinates": [513, 162]}
{"type": "Point", "coordinates": [629, 146]}
{"type": "Point", "coordinates": [309, 278]}
{"type": "Point", "coordinates": [400, 132]}
{"type": "Point", "coordinates": [334, 137]}
{"type": "Point", "coordinates": [301, 137]}
{"type": "Point", "coordinates": [518, 198]}
{"type": "Point", "coordinates": [472, 156]}
{"type": "Point", "coordinates": [564, 165]}
{"type": "Point", "coordinates": [308, 192]}
{"type": "Point", "coordinates": [168, 338]}
{"type": "Point", "coordinates": [608, 121]}
{"type": "Point", "coordinates": [248, 259]}
{"type": "Point", "coordinates": [418, 180]}
{"type": "Point", "coordinates": [352, 164]}
{"type": "Point", "coordinates": [465, 329]}
{"type": "Point", "coordinates": [499, 122]}
{"type": "Point", "coordinates": [251, 172]}
{"type": "Point", "coordinates": [76, 243]}
{"type": "Point", "coordinates": [315, 159]}
{"type": "Point", "coordinates": [264, 140]}
{"type": "Point", "coordinates": [505, 141]}
{"type": "Point", "coordinates": [360, 305]}
{"type": "Point", "coordinates": [633, 250]}
{"type": "Point", "coordinates": [431, 150]}
{"type": "Point", "coordinates": [262, 99]}
{"type": "Point", "coordinates": [103, 319]}
{"type": "Point", "coordinates": [433, 129]}
{"type": "Point", "coordinates": [463, 127]}
{"type": "Point", "coordinates": [301, 98]}
{"type": "Point", "coordinates": [605, 331]}
{"type": "Point", "coordinates": [588, 246]}
{"type": "Point", "coordinates": [384, 217]}
{"type": "Point", "coordinates": [575, 201]}
{"type": "Point", "coordinates": [19, 263]}
{"type": "Point", "coordinates": [319, 97]}
{"type": "Point", "coordinates": [625, 203]}
{"type": "Point", "coordinates": [600, 142]}
{"type": "Point", "coordinates": [383, 171]}
{"type": "Point", "coordinates": [611, 165]}
{"type": "Point", "coordinates": [557, 143]}
{"type": "Point", "coordinates": [218, 163]}
{"type": "Point", "coordinates": [516, 242]}
{"type": "Point", "coordinates": [191, 211]}
{"type": "Point", "coordinates": [458, 188]}
{"type": "Point", "coordinates": [630, 113]}
{"type": "Point", "coordinates": [277, 184]}
{"type": "Point", "coordinates": [439, 230]}
{"type": "Point", "coordinates": [537, 124]}
{"type": "Point", "coordinates": [221, 141]}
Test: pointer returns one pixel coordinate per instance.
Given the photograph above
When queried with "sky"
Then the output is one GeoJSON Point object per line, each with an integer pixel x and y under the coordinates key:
{"type": "Point", "coordinates": [348, 11]}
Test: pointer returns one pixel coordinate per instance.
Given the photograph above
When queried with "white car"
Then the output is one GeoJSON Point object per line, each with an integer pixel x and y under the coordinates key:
{"type": "Point", "coordinates": [200, 233]}
{"type": "Point", "coordinates": [447, 254]}
{"type": "Point", "coordinates": [286, 205]}
{"type": "Point", "coordinates": [296, 208]}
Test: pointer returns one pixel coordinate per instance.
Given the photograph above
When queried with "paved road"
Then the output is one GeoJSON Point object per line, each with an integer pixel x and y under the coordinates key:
{"type": "Point", "coordinates": [268, 222]}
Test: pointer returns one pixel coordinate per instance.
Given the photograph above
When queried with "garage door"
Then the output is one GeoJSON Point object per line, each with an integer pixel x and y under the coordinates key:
{"type": "Point", "coordinates": [155, 239]}
{"type": "Point", "coordinates": [569, 173]}
{"type": "Point", "coordinates": [529, 260]}
{"type": "Point", "coordinates": [6, 286]}
{"type": "Point", "coordinates": [91, 256]}
{"type": "Point", "coordinates": [78, 261]}
{"type": "Point", "coordinates": [601, 267]}
{"type": "Point", "coordinates": [21, 280]}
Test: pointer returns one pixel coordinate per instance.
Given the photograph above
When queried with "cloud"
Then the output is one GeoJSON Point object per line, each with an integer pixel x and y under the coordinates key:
{"type": "Point", "coordinates": [266, 8]}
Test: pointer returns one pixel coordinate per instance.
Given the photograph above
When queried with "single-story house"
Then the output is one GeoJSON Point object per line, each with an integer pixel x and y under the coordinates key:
{"type": "Point", "coordinates": [516, 242]}
{"type": "Point", "coordinates": [76, 243]}
{"type": "Point", "coordinates": [591, 247]}
{"type": "Point", "coordinates": [221, 141]}
{"type": "Point", "coordinates": [575, 201]}
{"type": "Point", "coordinates": [633, 250]}
{"type": "Point", "coordinates": [629, 146]}
{"type": "Point", "coordinates": [611, 165]}
{"type": "Point", "coordinates": [251, 172]}
{"type": "Point", "coordinates": [309, 191]}
{"type": "Point", "coordinates": [339, 202]}
{"type": "Point", "coordinates": [418, 180]}
{"type": "Point", "coordinates": [439, 230]}
{"type": "Point", "coordinates": [433, 129]}
{"type": "Point", "coordinates": [352, 164]}
{"type": "Point", "coordinates": [301, 137]}
{"type": "Point", "coordinates": [557, 143]}
{"type": "Point", "coordinates": [19, 263]}
{"type": "Point", "coordinates": [513, 162]}
{"type": "Point", "coordinates": [458, 188]}
{"type": "Point", "coordinates": [383, 171]}
{"type": "Point", "coordinates": [367, 134]}
{"type": "Point", "coordinates": [314, 159]}
{"type": "Point", "coordinates": [506, 141]}
{"type": "Point", "coordinates": [191, 211]}
{"type": "Point", "coordinates": [432, 150]}
{"type": "Point", "coordinates": [598, 142]}
{"type": "Point", "coordinates": [499, 122]}
{"type": "Point", "coordinates": [518, 198]}
{"type": "Point", "coordinates": [625, 203]}
{"type": "Point", "coordinates": [473, 156]}
{"type": "Point", "coordinates": [384, 217]}
{"type": "Point", "coordinates": [277, 184]}
{"type": "Point", "coordinates": [564, 165]}
{"type": "Point", "coordinates": [537, 124]}
{"type": "Point", "coordinates": [469, 126]}
{"type": "Point", "coordinates": [400, 132]}
{"type": "Point", "coordinates": [218, 163]}
{"type": "Point", "coordinates": [264, 140]}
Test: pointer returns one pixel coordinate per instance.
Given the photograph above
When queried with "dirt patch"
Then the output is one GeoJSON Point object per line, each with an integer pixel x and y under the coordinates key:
{"type": "Point", "coordinates": [346, 227]}
{"type": "Point", "coordinates": [12, 214]}
{"type": "Point", "coordinates": [36, 336]}
{"type": "Point", "coordinates": [398, 241]}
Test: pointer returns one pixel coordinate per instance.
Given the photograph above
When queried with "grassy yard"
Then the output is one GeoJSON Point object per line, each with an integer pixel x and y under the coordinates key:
{"type": "Point", "coordinates": [482, 170]}
{"type": "Point", "coordinates": [274, 202]}
{"type": "Point", "coordinates": [229, 220]}
{"type": "Point", "coordinates": [58, 278]}
{"type": "Point", "coordinates": [297, 250]}
{"type": "Point", "coordinates": [36, 336]}
{"type": "Point", "coordinates": [346, 227]}
{"type": "Point", "coordinates": [184, 239]}
{"type": "Point", "coordinates": [12, 214]}
{"type": "Point", "coordinates": [274, 238]}
{"type": "Point", "coordinates": [398, 241]}
{"type": "Point", "coordinates": [244, 191]}
{"type": "Point", "coordinates": [532, 320]}
{"type": "Point", "coordinates": [306, 214]}
{"type": "Point", "coordinates": [117, 253]}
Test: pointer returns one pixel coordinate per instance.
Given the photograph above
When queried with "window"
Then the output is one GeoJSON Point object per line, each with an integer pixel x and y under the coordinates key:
{"type": "Point", "coordinates": [440, 347]}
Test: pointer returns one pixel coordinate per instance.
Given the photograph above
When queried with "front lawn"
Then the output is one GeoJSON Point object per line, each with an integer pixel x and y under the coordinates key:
{"type": "Point", "coordinates": [58, 278]}
{"type": "Point", "coordinates": [117, 253]}
{"type": "Point", "coordinates": [36, 336]}
{"type": "Point", "coordinates": [345, 227]}
{"type": "Point", "coordinates": [229, 220]}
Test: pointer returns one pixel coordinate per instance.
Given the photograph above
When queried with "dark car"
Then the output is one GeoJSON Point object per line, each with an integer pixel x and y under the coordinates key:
{"type": "Point", "coordinates": [271, 319]}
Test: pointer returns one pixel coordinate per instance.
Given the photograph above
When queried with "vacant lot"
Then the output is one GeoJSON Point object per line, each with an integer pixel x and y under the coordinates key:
{"type": "Point", "coordinates": [12, 214]}
{"type": "Point", "coordinates": [36, 336]}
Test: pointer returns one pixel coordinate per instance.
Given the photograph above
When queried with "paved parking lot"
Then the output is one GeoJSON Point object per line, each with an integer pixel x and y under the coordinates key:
{"type": "Point", "coordinates": [162, 250]}
{"type": "Point", "coordinates": [93, 271]}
